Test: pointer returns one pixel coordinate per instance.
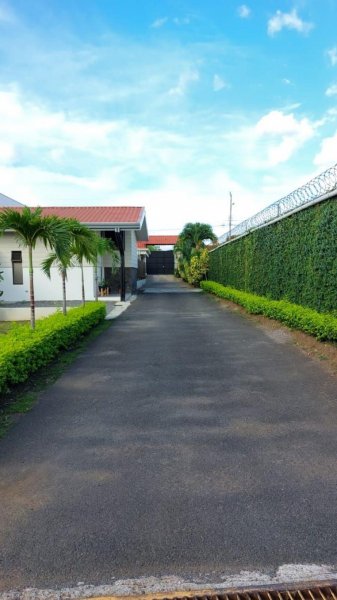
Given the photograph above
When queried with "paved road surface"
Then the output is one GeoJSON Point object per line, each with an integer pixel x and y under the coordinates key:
{"type": "Point", "coordinates": [185, 440]}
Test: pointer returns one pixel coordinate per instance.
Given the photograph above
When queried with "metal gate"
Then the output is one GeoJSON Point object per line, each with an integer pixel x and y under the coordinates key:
{"type": "Point", "coordinates": [160, 262]}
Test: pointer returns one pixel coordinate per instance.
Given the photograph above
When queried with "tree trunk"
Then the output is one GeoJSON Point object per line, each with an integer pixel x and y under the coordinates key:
{"type": "Point", "coordinates": [82, 279]}
{"type": "Point", "coordinates": [31, 288]}
{"type": "Point", "coordinates": [96, 281]}
{"type": "Point", "coordinates": [64, 293]}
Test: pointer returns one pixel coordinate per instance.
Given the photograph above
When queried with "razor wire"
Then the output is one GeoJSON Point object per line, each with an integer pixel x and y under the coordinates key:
{"type": "Point", "coordinates": [312, 190]}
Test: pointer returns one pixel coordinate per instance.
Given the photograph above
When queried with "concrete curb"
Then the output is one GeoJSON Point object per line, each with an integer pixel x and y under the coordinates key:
{"type": "Point", "coordinates": [119, 308]}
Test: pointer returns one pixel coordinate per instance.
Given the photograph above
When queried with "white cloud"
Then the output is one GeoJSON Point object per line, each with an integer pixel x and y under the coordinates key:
{"type": "Point", "coordinates": [244, 11]}
{"type": "Point", "coordinates": [274, 139]}
{"type": "Point", "coordinates": [187, 77]}
{"type": "Point", "coordinates": [292, 134]}
{"type": "Point", "coordinates": [332, 54]}
{"type": "Point", "coordinates": [37, 166]}
{"type": "Point", "coordinates": [182, 20]}
{"type": "Point", "coordinates": [159, 22]}
{"type": "Point", "coordinates": [332, 113]}
{"type": "Point", "coordinates": [286, 81]}
{"type": "Point", "coordinates": [7, 152]}
{"type": "Point", "coordinates": [328, 152]}
{"type": "Point", "coordinates": [219, 83]}
{"type": "Point", "coordinates": [289, 20]}
{"type": "Point", "coordinates": [28, 125]}
{"type": "Point", "coordinates": [176, 20]}
{"type": "Point", "coordinates": [332, 90]}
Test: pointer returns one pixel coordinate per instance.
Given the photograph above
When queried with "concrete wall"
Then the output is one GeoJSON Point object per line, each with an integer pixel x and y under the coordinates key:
{"type": "Point", "coordinates": [23, 313]}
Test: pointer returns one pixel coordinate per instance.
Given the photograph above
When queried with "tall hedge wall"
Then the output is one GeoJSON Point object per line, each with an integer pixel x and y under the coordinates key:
{"type": "Point", "coordinates": [294, 259]}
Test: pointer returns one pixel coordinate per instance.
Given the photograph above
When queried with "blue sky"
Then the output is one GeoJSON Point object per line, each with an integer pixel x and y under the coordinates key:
{"type": "Point", "coordinates": [169, 104]}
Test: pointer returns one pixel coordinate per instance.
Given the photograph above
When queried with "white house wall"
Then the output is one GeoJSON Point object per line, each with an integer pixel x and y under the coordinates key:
{"type": "Point", "coordinates": [131, 258]}
{"type": "Point", "coordinates": [45, 289]}
{"type": "Point", "coordinates": [51, 289]}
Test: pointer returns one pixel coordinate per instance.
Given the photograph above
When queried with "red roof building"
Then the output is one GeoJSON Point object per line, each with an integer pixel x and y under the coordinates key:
{"type": "Point", "coordinates": [158, 240]}
{"type": "Point", "coordinates": [123, 225]}
{"type": "Point", "coordinates": [108, 217]}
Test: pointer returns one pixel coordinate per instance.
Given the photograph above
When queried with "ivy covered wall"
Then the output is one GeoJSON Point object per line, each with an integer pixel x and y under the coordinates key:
{"type": "Point", "coordinates": [294, 259]}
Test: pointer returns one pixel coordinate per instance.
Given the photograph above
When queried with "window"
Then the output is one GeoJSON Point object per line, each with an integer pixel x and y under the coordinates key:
{"type": "Point", "coordinates": [17, 267]}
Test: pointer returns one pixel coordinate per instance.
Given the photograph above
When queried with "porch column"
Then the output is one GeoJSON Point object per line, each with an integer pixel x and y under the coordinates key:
{"type": "Point", "coordinates": [120, 243]}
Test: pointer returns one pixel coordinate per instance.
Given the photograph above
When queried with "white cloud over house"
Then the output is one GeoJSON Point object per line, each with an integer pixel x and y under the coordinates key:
{"type": "Point", "coordinates": [289, 20]}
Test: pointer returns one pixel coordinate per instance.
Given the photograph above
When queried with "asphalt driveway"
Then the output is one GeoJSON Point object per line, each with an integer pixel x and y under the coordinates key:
{"type": "Point", "coordinates": [185, 440]}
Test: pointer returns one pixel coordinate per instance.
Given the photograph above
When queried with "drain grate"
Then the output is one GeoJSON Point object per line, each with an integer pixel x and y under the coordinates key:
{"type": "Point", "coordinates": [325, 592]}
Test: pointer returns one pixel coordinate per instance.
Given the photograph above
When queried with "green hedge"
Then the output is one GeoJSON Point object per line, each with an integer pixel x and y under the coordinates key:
{"type": "Point", "coordinates": [294, 259]}
{"type": "Point", "coordinates": [322, 326]}
{"type": "Point", "coordinates": [24, 350]}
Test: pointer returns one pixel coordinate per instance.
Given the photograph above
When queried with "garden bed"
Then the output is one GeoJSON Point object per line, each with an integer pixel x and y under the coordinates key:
{"type": "Point", "coordinates": [23, 350]}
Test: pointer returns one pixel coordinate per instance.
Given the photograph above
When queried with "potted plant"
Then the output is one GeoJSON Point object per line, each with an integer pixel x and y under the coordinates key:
{"type": "Point", "coordinates": [104, 288]}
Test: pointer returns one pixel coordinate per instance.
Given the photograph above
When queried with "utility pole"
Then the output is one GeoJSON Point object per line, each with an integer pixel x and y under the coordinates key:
{"type": "Point", "coordinates": [230, 214]}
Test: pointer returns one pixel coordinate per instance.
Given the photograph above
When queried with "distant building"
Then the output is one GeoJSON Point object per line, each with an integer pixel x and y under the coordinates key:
{"type": "Point", "coordinates": [6, 201]}
{"type": "Point", "coordinates": [158, 262]}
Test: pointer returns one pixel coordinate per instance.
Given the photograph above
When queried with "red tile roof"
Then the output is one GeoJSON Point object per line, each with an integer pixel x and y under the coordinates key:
{"type": "Point", "coordinates": [159, 240]}
{"type": "Point", "coordinates": [97, 214]}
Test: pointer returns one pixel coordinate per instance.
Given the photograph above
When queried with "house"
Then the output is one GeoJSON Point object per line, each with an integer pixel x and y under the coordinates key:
{"type": "Point", "coordinates": [124, 225]}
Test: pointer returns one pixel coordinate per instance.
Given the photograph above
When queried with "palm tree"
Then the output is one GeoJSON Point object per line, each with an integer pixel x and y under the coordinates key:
{"type": "Point", "coordinates": [62, 262]}
{"type": "Point", "coordinates": [30, 227]}
{"type": "Point", "coordinates": [183, 252]}
{"type": "Point", "coordinates": [83, 247]}
{"type": "Point", "coordinates": [197, 233]}
{"type": "Point", "coordinates": [190, 243]}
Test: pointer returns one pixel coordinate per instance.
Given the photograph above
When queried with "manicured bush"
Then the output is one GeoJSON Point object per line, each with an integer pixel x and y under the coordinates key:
{"type": "Point", "coordinates": [294, 259]}
{"type": "Point", "coordinates": [24, 350]}
{"type": "Point", "coordinates": [322, 326]}
{"type": "Point", "coordinates": [197, 268]}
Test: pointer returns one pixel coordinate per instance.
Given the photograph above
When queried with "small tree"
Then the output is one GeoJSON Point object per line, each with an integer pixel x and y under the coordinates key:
{"type": "Point", "coordinates": [198, 267]}
{"type": "Point", "coordinates": [191, 253]}
{"type": "Point", "coordinates": [83, 247]}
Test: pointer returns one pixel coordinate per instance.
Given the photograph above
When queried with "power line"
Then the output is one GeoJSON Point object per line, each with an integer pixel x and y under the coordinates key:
{"type": "Point", "coordinates": [225, 224]}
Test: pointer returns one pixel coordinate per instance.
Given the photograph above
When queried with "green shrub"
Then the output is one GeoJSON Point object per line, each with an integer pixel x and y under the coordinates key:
{"type": "Point", "coordinates": [322, 326]}
{"type": "Point", "coordinates": [24, 350]}
{"type": "Point", "coordinates": [198, 267]}
{"type": "Point", "coordinates": [295, 258]}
